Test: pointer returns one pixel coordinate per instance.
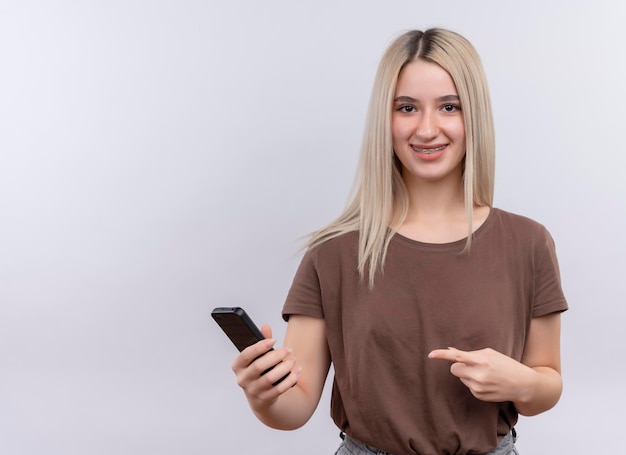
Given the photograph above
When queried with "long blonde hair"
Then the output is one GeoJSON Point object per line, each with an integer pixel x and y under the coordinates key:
{"type": "Point", "coordinates": [379, 204]}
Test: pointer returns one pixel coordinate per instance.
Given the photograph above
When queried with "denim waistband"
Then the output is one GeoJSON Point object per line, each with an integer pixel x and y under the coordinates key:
{"type": "Point", "coordinates": [506, 446]}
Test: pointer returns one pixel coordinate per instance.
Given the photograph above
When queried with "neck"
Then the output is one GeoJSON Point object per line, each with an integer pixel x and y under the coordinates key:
{"type": "Point", "coordinates": [436, 200]}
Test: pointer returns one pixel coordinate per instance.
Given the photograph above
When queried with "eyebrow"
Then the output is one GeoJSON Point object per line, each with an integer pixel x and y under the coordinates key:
{"type": "Point", "coordinates": [409, 99]}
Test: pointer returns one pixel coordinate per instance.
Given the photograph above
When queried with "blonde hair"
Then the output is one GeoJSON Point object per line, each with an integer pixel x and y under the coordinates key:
{"type": "Point", "coordinates": [379, 204]}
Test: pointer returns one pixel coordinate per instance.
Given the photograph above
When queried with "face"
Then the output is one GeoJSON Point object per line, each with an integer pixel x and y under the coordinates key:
{"type": "Point", "coordinates": [427, 125]}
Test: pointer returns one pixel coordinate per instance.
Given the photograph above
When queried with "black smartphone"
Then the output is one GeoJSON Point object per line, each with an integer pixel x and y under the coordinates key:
{"type": "Point", "coordinates": [238, 326]}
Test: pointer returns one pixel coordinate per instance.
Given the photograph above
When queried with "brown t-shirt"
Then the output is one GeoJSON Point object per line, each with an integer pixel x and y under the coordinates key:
{"type": "Point", "coordinates": [386, 392]}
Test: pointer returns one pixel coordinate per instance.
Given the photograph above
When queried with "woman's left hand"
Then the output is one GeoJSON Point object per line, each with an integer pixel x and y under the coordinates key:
{"type": "Point", "coordinates": [489, 374]}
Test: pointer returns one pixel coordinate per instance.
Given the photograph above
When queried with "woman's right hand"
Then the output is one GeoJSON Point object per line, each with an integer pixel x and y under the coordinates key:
{"type": "Point", "coordinates": [262, 390]}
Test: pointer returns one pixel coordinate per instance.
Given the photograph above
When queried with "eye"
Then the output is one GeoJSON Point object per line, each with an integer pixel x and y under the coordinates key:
{"type": "Point", "coordinates": [407, 108]}
{"type": "Point", "coordinates": [451, 107]}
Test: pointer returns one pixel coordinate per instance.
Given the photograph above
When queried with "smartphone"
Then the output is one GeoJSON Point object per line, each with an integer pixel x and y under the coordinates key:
{"type": "Point", "coordinates": [238, 326]}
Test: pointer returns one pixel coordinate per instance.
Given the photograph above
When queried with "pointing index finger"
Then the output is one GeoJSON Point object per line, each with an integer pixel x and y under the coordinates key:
{"type": "Point", "coordinates": [450, 354]}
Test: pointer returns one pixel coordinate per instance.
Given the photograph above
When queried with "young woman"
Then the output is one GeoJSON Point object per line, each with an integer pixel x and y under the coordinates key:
{"type": "Point", "coordinates": [439, 313]}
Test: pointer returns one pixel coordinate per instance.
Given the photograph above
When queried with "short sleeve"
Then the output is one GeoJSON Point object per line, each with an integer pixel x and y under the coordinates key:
{"type": "Point", "coordinates": [304, 296]}
{"type": "Point", "coordinates": [548, 294]}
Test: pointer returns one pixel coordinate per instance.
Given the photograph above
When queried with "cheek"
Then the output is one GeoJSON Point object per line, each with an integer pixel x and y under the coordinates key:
{"type": "Point", "coordinates": [398, 131]}
{"type": "Point", "coordinates": [459, 131]}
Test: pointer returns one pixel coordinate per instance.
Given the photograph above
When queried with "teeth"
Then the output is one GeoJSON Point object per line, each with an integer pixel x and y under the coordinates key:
{"type": "Point", "coordinates": [429, 151]}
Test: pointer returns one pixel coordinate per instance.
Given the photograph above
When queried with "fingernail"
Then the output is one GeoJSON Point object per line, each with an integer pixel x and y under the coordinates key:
{"type": "Point", "coordinates": [270, 342]}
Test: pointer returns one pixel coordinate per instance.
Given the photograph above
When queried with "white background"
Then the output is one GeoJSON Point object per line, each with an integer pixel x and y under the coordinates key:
{"type": "Point", "coordinates": [161, 158]}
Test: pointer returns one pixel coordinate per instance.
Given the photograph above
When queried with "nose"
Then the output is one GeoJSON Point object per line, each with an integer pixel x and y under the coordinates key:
{"type": "Point", "coordinates": [426, 127]}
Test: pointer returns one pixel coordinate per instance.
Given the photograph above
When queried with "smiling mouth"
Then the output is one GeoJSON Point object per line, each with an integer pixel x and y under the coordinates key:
{"type": "Point", "coordinates": [428, 151]}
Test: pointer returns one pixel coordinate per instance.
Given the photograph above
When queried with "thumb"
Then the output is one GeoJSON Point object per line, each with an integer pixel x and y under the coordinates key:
{"type": "Point", "coordinates": [266, 330]}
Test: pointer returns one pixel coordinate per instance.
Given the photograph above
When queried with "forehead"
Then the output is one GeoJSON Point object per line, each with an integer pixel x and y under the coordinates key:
{"type": "Point", "coordinates": [426, 79]}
